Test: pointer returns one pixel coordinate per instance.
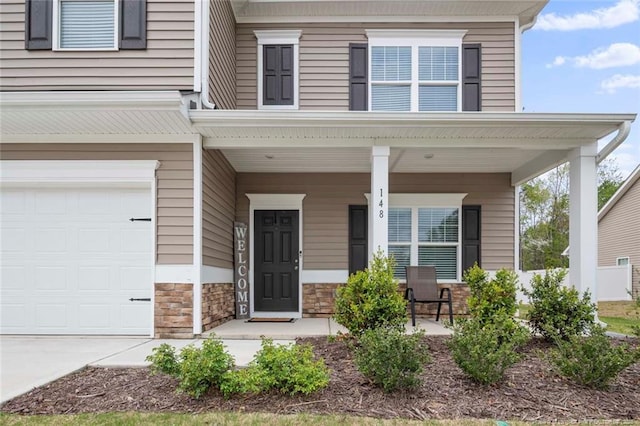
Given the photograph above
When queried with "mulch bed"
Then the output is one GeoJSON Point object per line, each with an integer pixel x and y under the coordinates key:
{"type": "Point", "coordinates": [530, 392]}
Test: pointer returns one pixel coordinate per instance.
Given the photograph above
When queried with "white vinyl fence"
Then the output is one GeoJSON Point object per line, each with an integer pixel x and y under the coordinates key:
{"type": "Point", "coordinates": [613, 283]}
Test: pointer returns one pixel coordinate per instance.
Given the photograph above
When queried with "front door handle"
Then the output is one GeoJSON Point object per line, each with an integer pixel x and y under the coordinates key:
{"type": "Point", "coordinates": [295, 268]}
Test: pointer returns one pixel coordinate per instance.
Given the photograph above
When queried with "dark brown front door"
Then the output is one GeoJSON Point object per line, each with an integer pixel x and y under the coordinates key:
{"type": "Point", "coordinates": [277, 264]}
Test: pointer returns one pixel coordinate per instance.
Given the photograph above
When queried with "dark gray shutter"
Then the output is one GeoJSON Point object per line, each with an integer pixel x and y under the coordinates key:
{"type": "Point", "coordinates": [358, 235]}
{"type": "Point", "coordinates": [358, 75]}
{"type": "Point", "coordinates": [38, 18]}
{"type": "Point", "coordinates": [470, 236]}
{"type": "Point", "coordinates": [133, 24]}
{"type": "Point", "coordinates": [471, 72]}
{"type": "Point", "coordinates": [277, 74]}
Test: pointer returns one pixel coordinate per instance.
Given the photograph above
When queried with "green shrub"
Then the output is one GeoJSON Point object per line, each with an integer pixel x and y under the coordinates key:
{"type": "Point", "coordinates": [485, 349]}
{"type": "Point", "coordinates": [490, 297]}
{"type": "Point", "coordinates": [371, 298]}
{"type": "Point", "coordinates": [291, 368]}
{"type": "Point", "coordinates": [164, 360]}
{"type": "Point", "coordinates": [201, 368]}
{"type": "Point", "coordinates": [250, 380]}
{"type": "Point", "coordinates": [592, 360]}
{"type": "Point", "coordinates": [391, 358]}
{"type": "Point", "coordinates": [556, 310]}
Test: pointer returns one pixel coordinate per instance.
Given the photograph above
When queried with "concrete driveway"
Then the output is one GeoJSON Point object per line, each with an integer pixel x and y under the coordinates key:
{"type": "Point", "coordinates": [30, 361]}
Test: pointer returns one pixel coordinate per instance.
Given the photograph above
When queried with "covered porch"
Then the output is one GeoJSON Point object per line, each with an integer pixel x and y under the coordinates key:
{"type": "Point", "coordinates": [404, 166]}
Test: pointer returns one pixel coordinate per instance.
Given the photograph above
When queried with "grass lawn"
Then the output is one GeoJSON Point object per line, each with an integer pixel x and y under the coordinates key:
{"type": "Point", "coordinates": [258, 419]}
{"type": "Point", "coordinates": [619, 316]}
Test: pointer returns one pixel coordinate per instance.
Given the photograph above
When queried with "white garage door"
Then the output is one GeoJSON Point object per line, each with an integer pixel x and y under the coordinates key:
{"type": "Point", "coordinates": [72, 260]}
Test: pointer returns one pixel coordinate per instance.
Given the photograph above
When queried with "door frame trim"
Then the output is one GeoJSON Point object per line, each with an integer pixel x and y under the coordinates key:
{"type": "Point", "coordinates": [274, 202]}
{"type": "Point", "coordinates": [101, 173]}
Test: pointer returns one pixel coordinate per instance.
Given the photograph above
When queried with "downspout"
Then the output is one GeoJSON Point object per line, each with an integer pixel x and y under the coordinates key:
{"type": "Point", "coordinates": [623, 131]}
{"type": "Point", "coordinates": [204, 53]}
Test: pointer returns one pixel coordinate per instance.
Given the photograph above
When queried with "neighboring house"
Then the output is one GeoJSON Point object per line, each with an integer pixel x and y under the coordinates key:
{"type": "Point", "coordinates": [619, 229]}
{"type": "Point", "coordinates": [330, 128]}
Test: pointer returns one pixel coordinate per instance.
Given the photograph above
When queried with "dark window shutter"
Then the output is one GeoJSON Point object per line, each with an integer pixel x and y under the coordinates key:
{"type": "Point", "coordinates": [358, 236]}
{"type": "Point", "coordinates": [277, 74]}
{"type": "Point", "coordinates": [471, 73]}
{"type": "Point", "coordinates": [133, 24]}
{"type": "Point", "coordinates": [38, 19]}
{"type": "Point", "coordinates": [358, 75]}
{"type": "Point", "coordinates": [470, 236]}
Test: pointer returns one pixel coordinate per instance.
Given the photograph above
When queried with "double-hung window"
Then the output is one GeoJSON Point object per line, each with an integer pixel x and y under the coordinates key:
{"type": "Point", "coordinates": [85, 24]}
{"type": "Point", "coordinates": [415, 70]}
{"type": "Point", "coordinates": [425, 229]}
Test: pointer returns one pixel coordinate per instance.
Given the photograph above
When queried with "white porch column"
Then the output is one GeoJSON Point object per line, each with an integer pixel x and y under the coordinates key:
{"type": "Point", "coordinates": [379, 203]}
{"type": "Point", "coordinates": [583, 219]}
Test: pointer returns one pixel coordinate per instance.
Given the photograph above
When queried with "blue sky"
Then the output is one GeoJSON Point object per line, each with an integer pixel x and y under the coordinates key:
{"type": "Point", "coordinates": [584, 56]}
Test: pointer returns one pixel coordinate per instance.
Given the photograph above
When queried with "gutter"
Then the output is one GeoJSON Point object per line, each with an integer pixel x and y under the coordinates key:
{"type": "Point", "coordinates": [623, 132]}
{"type": "Point", "coordinates": [204, 54]}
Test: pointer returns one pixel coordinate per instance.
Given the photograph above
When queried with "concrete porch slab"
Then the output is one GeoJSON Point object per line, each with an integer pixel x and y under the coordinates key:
{"type": "Point", "coordinates": [304, 327]}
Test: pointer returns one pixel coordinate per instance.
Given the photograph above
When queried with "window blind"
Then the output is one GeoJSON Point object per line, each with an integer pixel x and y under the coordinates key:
{"type": "Point", "coordinates": [87, 24]}
{"type": "Point", "coordinates": [391, 63]}
{"type": "Point", "coordinates": [438, 98]}
{"type": "Point", "coordinates": [390, 97]}
{"type": "Point", "coordinates": [438, 63]}
{"type": "Point", "coordinates": [444, 259]}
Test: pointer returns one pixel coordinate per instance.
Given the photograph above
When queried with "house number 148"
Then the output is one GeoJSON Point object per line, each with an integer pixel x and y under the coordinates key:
{"type": "Point", "coordinates": [381, 204]}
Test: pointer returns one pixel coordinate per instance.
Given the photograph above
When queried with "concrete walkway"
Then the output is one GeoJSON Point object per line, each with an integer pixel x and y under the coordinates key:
{"type": "Point", "coordinates": [31, 361]}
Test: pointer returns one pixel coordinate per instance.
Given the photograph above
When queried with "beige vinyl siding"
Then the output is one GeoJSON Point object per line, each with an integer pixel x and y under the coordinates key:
{"type": "Point", "coordinates": [328, 196]}
{"type": "Point", "coordinates": [222, 55]}
{"type": "Point", "coordinates": [166, 64]}
{"type": "Point", "coordinates": [218, 209]}
{"type": "Point", "coordinates": [619, 233]}
{"type": "Point", "coordinates": [324, 61]}
{"type": "Point", "coordinates": [174, 185]}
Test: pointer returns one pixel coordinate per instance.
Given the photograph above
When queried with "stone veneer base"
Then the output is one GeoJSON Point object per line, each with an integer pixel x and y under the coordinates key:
{"type": "Point", "coordinates": [173, 315]}
{"type": "Point", "coordinates": [218, 304]}
{"type": "Point", "coordinates": [318, 300]}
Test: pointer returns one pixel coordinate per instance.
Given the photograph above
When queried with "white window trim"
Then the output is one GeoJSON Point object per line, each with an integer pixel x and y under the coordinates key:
{"type": "Point", "coordinates": [618, 259]}
{"type": "Point", "coordinates": [267, 37]}
{"type": "Point", "coordinates": [416, 39]}
{"type": "Point", "coordinates": [416, 201]}
{"type": "Point", "coordinates": [55, 34]}
{"type": "Point", "coordinates": [274, 202]}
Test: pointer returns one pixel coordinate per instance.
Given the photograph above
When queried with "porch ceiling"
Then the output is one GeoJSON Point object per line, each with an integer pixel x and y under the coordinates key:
{"type": "Point", "coordinates": [297, 141]}
{"type": "Point", "coordinates": [357, 160]}
{"type": "Point", "coordinates": [372, 10]}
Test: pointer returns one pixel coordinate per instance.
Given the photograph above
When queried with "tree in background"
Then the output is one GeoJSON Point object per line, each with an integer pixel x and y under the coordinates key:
{"type": "Point", "coordinates": [544, 214]}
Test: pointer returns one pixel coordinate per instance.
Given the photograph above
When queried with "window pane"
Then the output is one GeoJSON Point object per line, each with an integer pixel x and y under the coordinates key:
{"type": "Point", "coordinates": [444, 259]}
{"type": "Point", "coordinates": [438, 225]}
{"type": "Point", "coordinates": [390, 98]}
{"type": "Point", "coordinates": [438, 98]}
{"type": "Point", "coordinates": [390, 63]}
{"type": "Point", "coordinates": [399, 225]}
{"type": "Point", "coordinates": [86, 24]}
{"type": "Point", "coordinates": [438, 63]}
{"type": "Point", "coordinates": [402, 255]}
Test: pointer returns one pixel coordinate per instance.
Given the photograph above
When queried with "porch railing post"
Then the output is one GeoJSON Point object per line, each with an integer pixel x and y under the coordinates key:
{"type": "Point", "coordinates": [379, 202]}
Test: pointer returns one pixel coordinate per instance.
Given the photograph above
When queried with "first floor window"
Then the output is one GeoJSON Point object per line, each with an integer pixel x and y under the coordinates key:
{"type": "Point", "coordinates": [425, 236]}
{"type": "Point", "coordinates": [622, 261]}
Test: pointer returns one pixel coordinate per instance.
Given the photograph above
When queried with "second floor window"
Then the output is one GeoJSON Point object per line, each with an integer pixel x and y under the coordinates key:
{"type": "Point", "coordinates": [278, 73]}
{"type": "Point", "coordinates": [415, 70]}
{"type": "Point", "coordinates": [86, 24]}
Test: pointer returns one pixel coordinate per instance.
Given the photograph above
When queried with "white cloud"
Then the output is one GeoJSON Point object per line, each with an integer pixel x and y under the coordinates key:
{"type": "Point", "coordinates": [620, 81]}
{"type": "Point", "coordinates": [615, 55]}
{"type": "Point", "coordinates": [623, 12]}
